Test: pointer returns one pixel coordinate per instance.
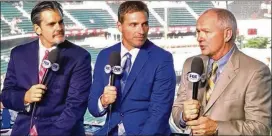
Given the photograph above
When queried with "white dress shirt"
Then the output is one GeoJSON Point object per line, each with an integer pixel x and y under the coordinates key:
{"type": "Point", "coordinates": [42, 50]}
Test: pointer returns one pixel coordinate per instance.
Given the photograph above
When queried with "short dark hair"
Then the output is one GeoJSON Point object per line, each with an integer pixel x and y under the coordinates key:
{"type": "Point", "coordinates": [42, 6]}
{"type": "Point", "coordinates": [129, 7]}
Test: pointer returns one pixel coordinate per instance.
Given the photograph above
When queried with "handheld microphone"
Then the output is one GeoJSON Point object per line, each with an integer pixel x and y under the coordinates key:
{"type": "Point", "coordinates": [194, 76]}
{"type": "Point", "coordinates": [114, 62]}
{"type": "Point", "coordinates": [113, 68]}
{"type": "Point", "coordinates": [50, 63]}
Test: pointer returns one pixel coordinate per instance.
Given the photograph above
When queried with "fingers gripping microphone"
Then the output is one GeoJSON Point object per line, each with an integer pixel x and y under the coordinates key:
{"type": "Point", "coordinates": [194, 76]}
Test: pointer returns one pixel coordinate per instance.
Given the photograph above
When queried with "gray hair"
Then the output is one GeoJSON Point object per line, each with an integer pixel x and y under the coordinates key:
{"type": "Point", "coordinates": [226, 18]}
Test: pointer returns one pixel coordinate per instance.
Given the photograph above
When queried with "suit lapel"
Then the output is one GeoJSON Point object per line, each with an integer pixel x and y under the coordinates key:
{"type": "Point", "coordinates": [61, 59]}
{"type": "Point", "coordinates": [140, 60]}
{"type": "Point", "coordinates": [33, 62]}
{"type": "Point", "coordinates": [203, 84]}
{"type": "Point", "coordinates": [229, 72]}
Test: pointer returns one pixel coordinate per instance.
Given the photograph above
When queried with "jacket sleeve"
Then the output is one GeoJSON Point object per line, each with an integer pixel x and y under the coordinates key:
{"type": "Point", "coordinates": [97, 87]}
{"type": "Point", "coordinates": [181, 97]}
{"type": "Point", "coordinates": [12, 95]}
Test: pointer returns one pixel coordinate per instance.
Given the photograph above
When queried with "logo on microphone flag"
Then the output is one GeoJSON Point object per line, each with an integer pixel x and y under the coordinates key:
{"type": "Point", "coordinates": [117, 70]}
{"type": "Point", "coordinates": [46, 64]}
{"type": "Point", "coordinates": [193, 77]}
{"type": "Point", "coordinates": [107, 69]}
{"type": "Point", "coordinates": [55, 67]}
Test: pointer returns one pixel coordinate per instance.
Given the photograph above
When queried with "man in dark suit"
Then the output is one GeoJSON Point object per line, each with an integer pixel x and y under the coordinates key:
{"type": "Point", "coordinates": [141, 102]}
{"type": "Point", "coordinates": [237, 97]}
{"type": "Point", "coordinates": [60, 106]}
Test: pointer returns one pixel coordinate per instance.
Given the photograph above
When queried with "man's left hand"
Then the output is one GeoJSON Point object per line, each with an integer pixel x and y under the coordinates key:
{"type": "Point", "coordinates": [203, 126]}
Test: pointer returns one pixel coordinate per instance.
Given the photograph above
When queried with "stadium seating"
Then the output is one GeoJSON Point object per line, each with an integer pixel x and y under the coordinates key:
{"type": "Point", "coordinates": [246, 9]}
{"type": "Point", "coordinates": [10, 13]}
{"type": "Point", "coordinates": [93, 18]}
{"type": "Point", "coordinates": [28, 5]}
{"type": "Point", "coordinates": [4, 60]}
{"type": "Point", "coordinates": [199, 7]}
{"type": "Point", "coordinates": [5, 28]}
{"type": "Point", "coordinates": [160, 11]}
{"type": "Point", "coordinates": [180, 17]}
{"type": "Point", "coordinates": [93, 51]}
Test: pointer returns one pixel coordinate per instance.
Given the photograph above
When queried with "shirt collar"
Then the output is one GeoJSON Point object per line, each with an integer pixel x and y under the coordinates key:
{"type": "Point", "coordinates": [134, 52]}
{"type": "Point", "coordinates": [42, 48]}
{"type": "Point", "coordinates": [222, 61]}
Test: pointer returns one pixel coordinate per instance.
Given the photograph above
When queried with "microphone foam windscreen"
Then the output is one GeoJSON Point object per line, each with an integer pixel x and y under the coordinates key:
{"type": "Point", "coordinates": [53, 55]}
{"type": "Point", "coordinates": [115, 59]}
{"type": "Point", "coordinates": [197, 65]}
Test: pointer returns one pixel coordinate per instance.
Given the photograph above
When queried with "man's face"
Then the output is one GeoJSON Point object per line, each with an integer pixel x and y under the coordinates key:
{"type": "Point", "coordinates": [51, 30]}
{"type": "Point", "coordinates": [210, 35]}
{"type": "Point", "coordinates": [134, 29]}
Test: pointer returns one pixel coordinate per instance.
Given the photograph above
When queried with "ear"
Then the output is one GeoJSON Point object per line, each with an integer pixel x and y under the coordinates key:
{"type": "Point", "coordinates": [37, 29]}
{"type": "Point", "coordinates": [119, 26]}
{"type": "Point", "coordinates": [227, 34]}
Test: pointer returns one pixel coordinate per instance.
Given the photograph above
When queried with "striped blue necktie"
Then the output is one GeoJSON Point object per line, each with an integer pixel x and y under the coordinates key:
{"type": "Point", "coordinates": [126, 69]}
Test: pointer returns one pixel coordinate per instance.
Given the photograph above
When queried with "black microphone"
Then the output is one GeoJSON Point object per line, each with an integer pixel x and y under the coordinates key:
{"type": "Point", "coordinates": [114, 62]}
{"type": "Point", "coordinates": [50, 63]}
{"type": "Point", "coordinates": [113, 68]}
{"type": "Point", "coordinates": [194, 76]}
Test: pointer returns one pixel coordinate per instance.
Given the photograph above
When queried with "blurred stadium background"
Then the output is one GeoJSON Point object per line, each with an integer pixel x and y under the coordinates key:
{"type": "Point", "coordinates": [92, 25]}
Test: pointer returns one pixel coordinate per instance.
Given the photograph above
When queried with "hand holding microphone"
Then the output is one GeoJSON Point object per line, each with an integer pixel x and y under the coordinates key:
{"type": "Point", "coordinates": [110, 92]}
{"type": "Point", "coordinates": [191, 108]}
{"type": "Point", "coordinates": [109, 96]}
{"type": "Point", "coordinates": [35, 93]}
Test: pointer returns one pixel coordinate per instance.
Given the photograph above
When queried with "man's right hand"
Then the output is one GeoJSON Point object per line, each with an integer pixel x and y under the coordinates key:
{"type": "Point", "coordinates": [35, 93]}
{"type": "Point", "coordinates": [109, 96]}
{"type": "Point", "coordinates": [191, 110]}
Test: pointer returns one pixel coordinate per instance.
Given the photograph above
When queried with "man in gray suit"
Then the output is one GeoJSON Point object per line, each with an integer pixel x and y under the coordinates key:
{"type": "Point", "coordinates": [236, 98]}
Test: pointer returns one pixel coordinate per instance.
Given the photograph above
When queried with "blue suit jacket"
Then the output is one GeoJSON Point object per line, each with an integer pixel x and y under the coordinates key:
{"type": "Point", "coordinates": [145, 105]}
{"type": "Point", "coordinates": [61, 110]}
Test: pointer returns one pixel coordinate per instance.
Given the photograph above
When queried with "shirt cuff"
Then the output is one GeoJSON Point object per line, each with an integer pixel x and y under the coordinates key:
{"type": "Point", "coordinates": [101, 109]}
{"type": "Point", "coordinates": [27, 107]}
{"type": "Point", "coordinates": [182, 123]}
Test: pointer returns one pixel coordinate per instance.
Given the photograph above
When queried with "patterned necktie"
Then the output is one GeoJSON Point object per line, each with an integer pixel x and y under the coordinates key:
{"type": "Point", "coordinates": [211, 81]}
{"type": "Point", "coordinates": [33, 130]}
{"type": "Point", "coordinates": [42, 69]}
{"type": "Point", "coordinates": [126, 69]}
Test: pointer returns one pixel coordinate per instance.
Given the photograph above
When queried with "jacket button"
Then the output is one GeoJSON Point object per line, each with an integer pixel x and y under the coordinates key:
{"type": "Point", "coordinates": [122, 114]}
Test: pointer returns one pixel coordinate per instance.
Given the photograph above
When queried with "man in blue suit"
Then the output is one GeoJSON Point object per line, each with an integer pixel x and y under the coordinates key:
{"type": "Point", "coordinates": [143, 95]}
{"type": "Point", "coordinates": [60, 106]}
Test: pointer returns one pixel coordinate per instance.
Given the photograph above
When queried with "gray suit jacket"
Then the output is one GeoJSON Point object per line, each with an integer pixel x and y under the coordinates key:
{"type": "Point", "coordinates": [241, 99]}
